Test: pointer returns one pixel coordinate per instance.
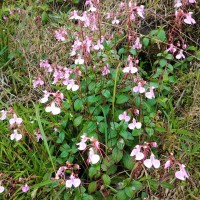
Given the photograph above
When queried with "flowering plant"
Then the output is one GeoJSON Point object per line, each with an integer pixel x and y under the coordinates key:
{"type": "Point", "coordinates": [101, 111]}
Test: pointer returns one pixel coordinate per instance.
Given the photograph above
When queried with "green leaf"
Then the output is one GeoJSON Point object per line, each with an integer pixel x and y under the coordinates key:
{"type": "Point", "coordinates": [122, 98]}
{"type": "Point", "coordinates": [129, 191]}
{"type": "Point", "coordinates": [78, 120]}
{"type": "Point", "coordinates": [121, 195]}
{"type": "Point", "coordinates": [111, 170]}
{"type": "Point", "coordinates": [121, 51]}
{"type": "Point", "coordinates": [61, 137]}
{"type": "Point", "coordinates": [126, 135]}
{"type": "Point", "coordinates": [66, 104]}
{"type": "Point", "coordinates": [106, 93]}
{"type": "Point", "coordinates": [87, 197]}
{"type": "Point", "coordinates": [91, 126]}
{"type": "Point", "coordinates": [106, 179]}
{"type": "Point", "coordinates": [75, 1]}
{"type": "Point", "coordinates": [133, 52]}
{"type": "Point", "coordinates": [117, 154]}
{"type": "Point", "coordinates": [153, 184]}
{"type": "Point", "coordinates": [103, 127]}
{"type": "Point", "coordinates": [137, 185]}
{"type": "Point", "coordinates": [128, 161]}
{"type": "Point", "coordinates": [92, 187]}
{"type": "Point", "coordinates": [169, 57]}
{"type": "Point", "coordinates": [120, 144]}
{"type": "Point", "coordinates": [146, 41]}
{"type": "Point", "coordinates": [149, 131]}
{"type": "Point", "coordinates": [163, 62]}
{"type": "Point", "coordinates": [78, 104]}
{"type": "Point", "coordinates": [45, 17]}
{"type": "Point", "coordinates": [92, 171]}
{"type": "Point", "coordinates": [161, 35]}
{"type": "Point", "coordinates": [167, 185]}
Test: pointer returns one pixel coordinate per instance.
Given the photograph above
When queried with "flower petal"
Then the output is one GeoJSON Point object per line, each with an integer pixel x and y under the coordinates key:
{"type": "Point", "coordinates": [156, 163]}
{"type": "Point", "coordinates": [76, 182]}
{"type": "Point", "coordinates": [68, 183]}
{"type": "Point", "coordinates": [148, 163]}
{"type": "Point", "coordinates": [1, 189]}
{"type": "Point", "coordinates": [138, 125]}
{"type": "Point", "coordinates": [180, 175]}
{"type": "Point", "coordinates": [56, 111]}
{"type": "Point", "coordinates": [139, 156]}
{"type": "Point", "coordinates": [95, 158]}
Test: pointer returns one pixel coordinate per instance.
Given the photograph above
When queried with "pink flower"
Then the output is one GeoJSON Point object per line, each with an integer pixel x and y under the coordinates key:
{"type": "Point", "coordinates": [178, 3]}
{"type": "Point", "coordinates": [105, 70]}
{"type": "Point", "coordinates": [136, 152]}
{"type": "Point", "coordinates": [16, 136]}
{"type": "Point", "coordinates": [152, 162]}
{"type": "Point", "coordinates": [45, 64]}
{"type": "Point", "coordinates": [167, 164]}
{"type": "Point", "coordinates": [74, 15]}
{"type": "Point", "coordinates": [139, 88]}
{"type": "Point", "coordinates": [150, 94]}
{"type": "Point", "coordinates": [130, 68]}
{"type": "Point", "coordinates": [136, 111]}
{"type": "Point", "coordinates": [171, 48]}
{"type": "Point", "coordinates": [180, 55]}
{"type": "Point", "coordinates": [37, 82]}
{"type": "Point", "coordinates": [108, 15]}
{"type": "Point", "coordinates": [140, 11]}
{"type": "Point", "coordinates": [73, 182]}
{"type": "Point", "coordinates": [1, 189]}
{"type": "Point", "coordinates": [5, 18]}
{"type": "Point", "coordinates": [182, 174]}
{"type": "Point", "coordinates": [15, 120]}
{"type": "Point", "coordinates": [53, 109]}
{"type": "Point", "coordinates": [115, 21]}
{"type": "Point", "coordinates": [84, 138]}
{"type": "Point", "coordinates": [93, 158]}
{"type": "Point", "coordinates": [124, 116]}
{"type": "Point", "coordinates": [71, 85]}
{"type": "Point", "coordinates": [92, 8]}
{"type": "Point", "coordinates": [137, 44]}
{"type": "Point", "coordinates": [79, 61]}
{"type": "Point", "coordinates": [60, 172]}
{"type": "Point", "coordinates": [98, 46]}
{"type": "Point", "coordinates": [154, 144]}
{"type": "Point", "coordinates": [60, 34]}
{"type": "Point", "coordinates": [25, 188]}
{"type": "Point", "coordinates": [38, 137]}
{"type": "Point", "coordinates": [82, 145]}
{"type": "Point", "coordinates": [45, 98]}
{"type": "Point", "coordinates": [3, 114]}
{"type": "Point", "coordinates": [189, 19]}
{"type": "Point", "coordinates": [134, 125]}
{"type": "Point", "coordinates": [192, 1]}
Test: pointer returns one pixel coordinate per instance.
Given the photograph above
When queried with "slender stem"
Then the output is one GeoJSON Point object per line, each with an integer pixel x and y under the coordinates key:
{"type": "Point", "coordinates": [114, 90]}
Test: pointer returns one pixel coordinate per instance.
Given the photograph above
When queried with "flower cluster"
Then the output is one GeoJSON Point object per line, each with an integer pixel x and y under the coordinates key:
{"type": "Point", "coordinates": [15, 123]}
{"type": "Point", "coordinates": [61, 34]}
{"type": "Point", "coordinates": [126, 118]}
{"type": "Point", "coordinates": [181, 174]}
{"type": "Point", "coordinates": [54, 106]}
{"type": "Point", "coordinates": [146, 149]}
{"type": "Point", "coordinates": [11, 13]}
{"type": "Point", "coordinates": [94, 148]}
{"type": "Point", "coordinates": [73, 178]}
{"type": "Point", "coordinates": [140, 152]}
{"type": "Point", "coordinates": [180, 17]}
